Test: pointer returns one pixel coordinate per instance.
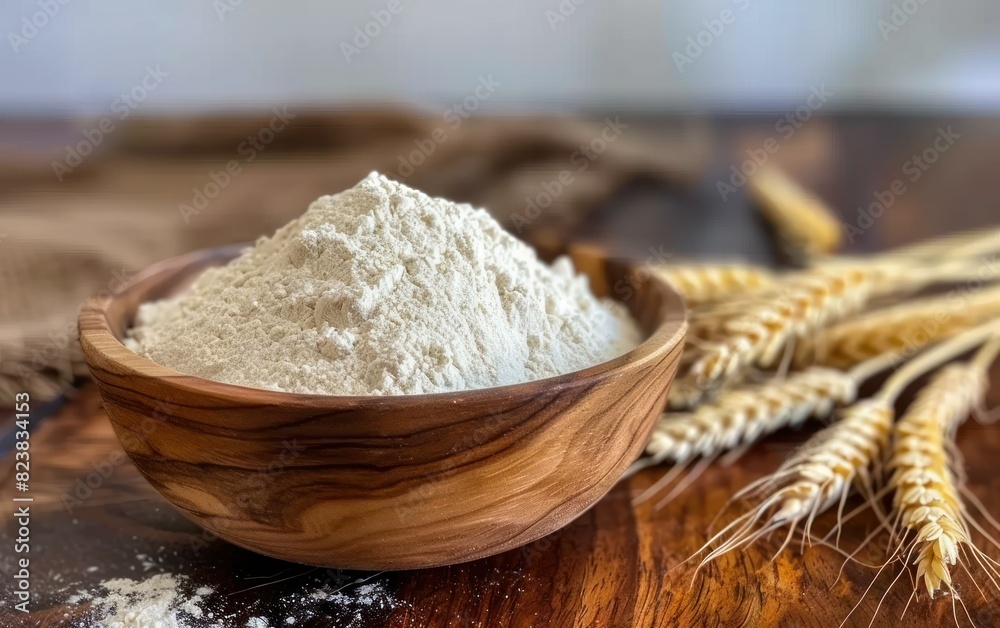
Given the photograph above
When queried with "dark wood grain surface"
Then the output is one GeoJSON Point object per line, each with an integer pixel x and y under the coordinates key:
{"type": "Point", "coordinates": [618, 564]}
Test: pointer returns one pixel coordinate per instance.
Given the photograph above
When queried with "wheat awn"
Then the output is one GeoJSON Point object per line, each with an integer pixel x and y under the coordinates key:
{"type": "Point", "coordinates": [843, 456]}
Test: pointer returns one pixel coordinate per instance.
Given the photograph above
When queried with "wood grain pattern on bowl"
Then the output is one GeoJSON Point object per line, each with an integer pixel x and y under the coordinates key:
{"type": "Point", "coordinates": [383, 482]}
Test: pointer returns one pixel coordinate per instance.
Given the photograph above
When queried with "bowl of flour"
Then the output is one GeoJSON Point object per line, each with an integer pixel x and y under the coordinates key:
{"type": "Point", "coordinates": [390, 381]}
{"type": "Point", "coordinates": [383, 290]}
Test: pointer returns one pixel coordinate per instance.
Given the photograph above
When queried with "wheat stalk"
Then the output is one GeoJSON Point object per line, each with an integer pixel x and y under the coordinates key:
{"type": "Point", "coordinates": [926, 502]}
{"type": "Point", "coordinates": [802, 221]}
{"type": "Point", "coordinates": [813, 299]}
{"type": "Point", "coordinates": [809, 301]}
{"type": "Point", "coordinates": [902, 329]}
{"type": "Point", "coordinates": [843, 456]}
{"type": "Point", "coordinates": [701, 284]}
{"type": "Point", "coordinates": [742, 415]}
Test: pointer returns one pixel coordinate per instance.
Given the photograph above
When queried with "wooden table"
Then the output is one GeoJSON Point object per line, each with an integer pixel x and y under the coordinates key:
{"type": "Point", "coordinates": [618, 565]}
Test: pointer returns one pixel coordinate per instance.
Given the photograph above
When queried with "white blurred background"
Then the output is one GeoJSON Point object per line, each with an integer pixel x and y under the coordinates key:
{"type": "Point", "coordinates": [76, 56]}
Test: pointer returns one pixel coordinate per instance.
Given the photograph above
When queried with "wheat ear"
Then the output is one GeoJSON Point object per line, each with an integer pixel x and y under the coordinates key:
{"type": "Point", "coordinates": [706, 328]}
{"type": "Point", "coordinates": [737, 419]}
{"type": "Point", "coordinates": [744, 414]}
{"type": "Point", "coordinates": [702, 284]}
{"type": "Point", "coordinates": [902, 329]}
{"type": "Point", "coordinates": [809, 301]}
{"type": "Point", "coordinates": [803, 222]}
{"type": "Point", "coordinates": [843, 456]}
{"type": "Point", "coordinates": [928, 512]}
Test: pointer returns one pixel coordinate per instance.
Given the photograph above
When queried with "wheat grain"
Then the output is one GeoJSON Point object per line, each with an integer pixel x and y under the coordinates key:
{"type": "Point", "coordinates": [902, 329]}
{"type": "Point", "coordinates": [928, 510]}
{"type": "Point", "coordinates": [809, 301]}
{"type": "Point", "coordinates": [710, 283]}
{"type": "Point", "coordinates": [742, 415]}
{"type": "Point", "coordinates": [843, 456]}
{"type": "Point", "coordinates": [803, 223]}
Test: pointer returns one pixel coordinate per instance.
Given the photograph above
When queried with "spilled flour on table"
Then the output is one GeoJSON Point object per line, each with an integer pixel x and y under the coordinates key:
{"type": "Point", "coordinates": [362, 600]}
{"type": "Point", "coordinates": [155, 602]}
{"type": "Point", "coordinates": [170, 601]}
{"type": "Point", "coordinates": [179, 598]}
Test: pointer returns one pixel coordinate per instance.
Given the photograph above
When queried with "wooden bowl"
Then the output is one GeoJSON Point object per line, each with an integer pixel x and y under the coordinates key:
{"type": "Point", "coordinates": [383, 483]}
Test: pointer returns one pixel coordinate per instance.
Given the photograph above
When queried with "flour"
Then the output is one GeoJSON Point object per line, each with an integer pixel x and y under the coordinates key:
{"type": "Point", "coordinates": [367, 601]}
{"type": "Point", "coordinates": [383, 290]}
{"type": "Point", "coordinates": [155, 602]}
{"type": "Point", "coordinates": [166, 601]}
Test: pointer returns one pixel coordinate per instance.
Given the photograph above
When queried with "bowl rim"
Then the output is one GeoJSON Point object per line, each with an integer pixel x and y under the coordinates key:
{"type": "Point", "coordinates": [100, 343]}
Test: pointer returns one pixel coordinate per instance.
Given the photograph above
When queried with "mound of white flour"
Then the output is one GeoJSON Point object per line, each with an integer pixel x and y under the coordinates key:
{"type": "Point", "coordinates": [383, 290]}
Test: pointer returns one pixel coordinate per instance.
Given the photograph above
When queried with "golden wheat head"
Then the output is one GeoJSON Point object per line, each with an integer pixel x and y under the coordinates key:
{"type": "Point", "coordinates": [742, 415]}
{"type": "Point", "coordinates": [926, 503]}
{"type": "Point", "coordinates": [704, 284]}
